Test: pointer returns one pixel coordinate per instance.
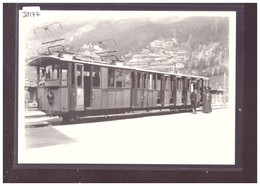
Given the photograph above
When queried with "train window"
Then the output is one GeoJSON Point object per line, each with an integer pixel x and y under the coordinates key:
{"type": "Point", "coordinates": [150, 81]}
{"type": "Point", "coordinates": [188, 85]}
{"type": "Point", "coordinates": [172, 83]}
{"type": "Point", "coordinates": [73, 74]}
{"type": "Point", "coordinates": [42, 73]}
{"type": "Point", "coordinates": [199, 84]}
{"type": "Point", "coordinates": [49, 72]}
{"type": "Point", "coordinates": [87, 69]}
{"type": "Point", "coordinates": [55, 71]}
{"type": "Point", "coordinates": [154, 81]}
{"type": "Point", "coordinates": [179, 84]}
{"type": "Point", "coordinates": [193, 85]}
{"type": "Point", "coordinates": [139, 80]}
{"type": "Point", "coordinates": [145, 81]}
{"type": "Point", "coordinates": [133, 79]}
{"type": "Point", "coordinates": [166, 83]}
{"type": "Point", "coordinates": [64, 71]}
{"type": "Point", "coordinates": [111, 77]}
{"type": "Point", "coordinates": [127, 78]}
{"type": "Point", "coordinates": [119, 78]}
{"type": "Point", "coordinates": [52, 72]}
{"type": "Point", "coordinates": [96, 76]}
{"type": "Point", "coordinates": [79, 75]}
{"type": "Point", "coordinates": [184, 83]}
{"type": "Point", "coordinates": [42, 76]}
{"type": "Point", "coordinates": [159, 79]}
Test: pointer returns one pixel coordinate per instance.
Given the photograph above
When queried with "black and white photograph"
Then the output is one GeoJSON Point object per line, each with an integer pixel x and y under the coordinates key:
{"type": "Point", "coordinates": [127, 87]}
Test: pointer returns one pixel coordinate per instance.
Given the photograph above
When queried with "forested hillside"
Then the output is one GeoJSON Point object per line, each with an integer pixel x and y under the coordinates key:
{"type": "Point", "coordinates": [195, 45]}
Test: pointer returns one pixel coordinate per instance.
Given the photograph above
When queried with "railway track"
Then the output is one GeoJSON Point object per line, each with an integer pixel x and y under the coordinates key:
{"type": "Point", "coordinates": [55, 121]}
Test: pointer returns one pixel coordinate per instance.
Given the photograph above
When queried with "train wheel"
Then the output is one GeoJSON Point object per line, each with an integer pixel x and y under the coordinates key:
{"type": "Point", "coordinates": [66, 119]}
{"type": "Point", "coordinates": [74, 118]}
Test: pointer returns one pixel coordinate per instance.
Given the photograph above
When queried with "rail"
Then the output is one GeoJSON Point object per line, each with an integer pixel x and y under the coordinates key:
{"type": "Point", "coordinates": [44, 121]}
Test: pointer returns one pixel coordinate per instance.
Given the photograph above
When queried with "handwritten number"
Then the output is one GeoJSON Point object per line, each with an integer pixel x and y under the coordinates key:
{"type": "Point", "coordinates": [30, 14]}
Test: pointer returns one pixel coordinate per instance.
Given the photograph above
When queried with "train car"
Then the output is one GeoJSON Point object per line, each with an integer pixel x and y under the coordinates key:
{"type": "Point", "coordinates": [71, 87]}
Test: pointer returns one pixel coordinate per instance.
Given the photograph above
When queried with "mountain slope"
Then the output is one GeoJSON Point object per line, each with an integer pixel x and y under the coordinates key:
{"type": "Point", "coordinates": [195, 45]}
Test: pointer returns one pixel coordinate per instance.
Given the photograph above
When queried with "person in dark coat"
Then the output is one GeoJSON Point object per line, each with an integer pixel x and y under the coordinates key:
{"type": "Point", "coordinates": [207, 101]}
{"type": "Point", "coordinates": [194, 101]}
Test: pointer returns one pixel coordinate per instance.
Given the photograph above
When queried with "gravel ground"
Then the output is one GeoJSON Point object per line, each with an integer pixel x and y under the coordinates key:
{"type": "Point", "coordinates": [168, 139]}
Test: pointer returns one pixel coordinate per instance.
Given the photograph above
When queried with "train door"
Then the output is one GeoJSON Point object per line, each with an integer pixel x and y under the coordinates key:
{"type": "Point", "coordinates": [162, 90]}
{"type": "Point", "coordinates": [119, 89]}
{"type": "Point", "coordinates": [154, 90]}
{"type": "Point", "coordinates": [104, 87]}
{"type": "Point", "coordinates": [150, 91]}
{"type": "Point", "coordinates": [96, 100]}
{"type": "Point", "coordinates": [179, 91]}
{"type": "Point", "coordinates": [87, 85]}
{"type": "Point", "coordinates": [144, 90]}
{"type": "Point", "coordinates": [139, 93]}
{"type": "Point", "coordinates": [193, 85]}
{"type": "Point", "coordinates": [159, 89]}
{"type": "Point", "coordinates": [184, 91]}
{"type": "Point", "coordinates": [167, 92]}
{"type": "Point", "coordinates": [133, 89]}
{"type": "Point", "coordinates": [188, 88]}
{"type": "Point", "coordinates": [126, 88]}
{"type": "Point", "coordinates": [202, 88]}
{"type": "Point", "coordinates": [173, 90]}
{"type": "Point", "coordinates": [79, 88]}
{"type": "Point", "coordinates": [199, 90]}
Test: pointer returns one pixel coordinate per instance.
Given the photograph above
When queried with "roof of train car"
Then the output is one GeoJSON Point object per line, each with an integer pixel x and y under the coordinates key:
{"type": "Point", "coordinates": [46, 60]}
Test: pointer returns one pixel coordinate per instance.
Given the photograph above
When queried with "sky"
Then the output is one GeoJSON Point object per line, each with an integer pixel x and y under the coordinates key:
{"type": "Point", "coordinates": [67, 17]}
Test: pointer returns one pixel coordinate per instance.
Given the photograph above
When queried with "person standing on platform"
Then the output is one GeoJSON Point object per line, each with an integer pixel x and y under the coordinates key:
{"type": "Point", "coordinates": [207, 101]}
{"type": "Point", "coordinates": [194, 100]}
